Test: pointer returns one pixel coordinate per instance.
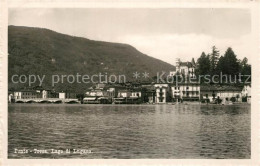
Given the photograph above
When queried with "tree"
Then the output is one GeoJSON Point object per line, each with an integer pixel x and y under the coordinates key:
{"type": "Point", "coordinates": [203, 65]}
{"type": "Point", "coordinates": [221, 67]}
{"type": "Point", "coordinates": [228, 64]}
{"type": "Point", "coordinates": [245, 68]}
{"type": "Point", "coordinates": [214, 58]}
{"type": "Point", "coordinates": [244, 61]}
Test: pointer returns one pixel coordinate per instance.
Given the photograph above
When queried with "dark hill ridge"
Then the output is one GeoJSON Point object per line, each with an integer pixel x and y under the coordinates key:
{"type": "Point", "coordinates": [42, 51]}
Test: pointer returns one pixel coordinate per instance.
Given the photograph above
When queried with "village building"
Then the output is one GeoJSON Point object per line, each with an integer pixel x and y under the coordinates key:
{"type": "Point", "coordinates": [10, 97]}
{"type": "Point", "coordinates": [128, 96]}
{"type": "Point", "coordinates": [225, 92]}
{"type": "Point", "coordinates": [17, 95]}
{"type": "Point", "coordinates": [27, 94]}
{"type": "Point", "coordinates": [102, 93]}
{"type": "Point", "coordinates": [111, 92]}
{"type": "Point", "coordinates": [42, 96]}
{"type": "Point", "coordinates": [186, 91]}
{"type": "Point", "coordinates": [69, 95]}
{"type": "Point", "coordinates": [148, 93]}
{"type": "Point", "coordinates": [141, 93]}
{"type": "Point", "coordinates": [93, 93]}
{"type": "Point", "coordinates": [46, 94]}
{"type": "Point", "coordinates": [161, 92]}
{"type": "Point", "coordinates": [184, 68]}
{"type": "Point", "coordinates": [136, 93]}
{"type": "Point", "coordinates": [124, 93]}
{"type": "Point", "coordinates": [62, 95]}
{"type": "Point", "coordinates": [246, 93]}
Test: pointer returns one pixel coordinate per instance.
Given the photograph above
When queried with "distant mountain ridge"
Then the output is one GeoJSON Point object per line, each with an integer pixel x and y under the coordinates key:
{"type": "Point", "coordinates": [45, 52]}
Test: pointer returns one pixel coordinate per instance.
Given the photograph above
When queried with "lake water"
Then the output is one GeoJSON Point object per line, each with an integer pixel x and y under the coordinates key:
{"type": "Point", "coordinates": [129, 131]}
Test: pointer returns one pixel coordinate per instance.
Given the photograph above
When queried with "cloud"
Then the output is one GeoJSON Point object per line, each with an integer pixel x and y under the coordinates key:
{"type": "Point", "coordinates": [164, 34]}
{"type": "Point", "coordinates": [168, 47]}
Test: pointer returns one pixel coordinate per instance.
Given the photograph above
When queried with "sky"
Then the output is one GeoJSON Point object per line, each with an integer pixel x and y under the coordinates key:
{"type": "Point", "coordinates": [165, 34]}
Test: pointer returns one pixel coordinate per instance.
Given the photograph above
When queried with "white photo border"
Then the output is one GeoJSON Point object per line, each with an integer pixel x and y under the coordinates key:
{"type": "Point", "coordinates": [252, 5]}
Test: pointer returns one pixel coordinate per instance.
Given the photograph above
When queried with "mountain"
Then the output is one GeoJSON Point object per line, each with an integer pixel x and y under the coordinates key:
{"type": "Point", "coordinates": [41, 51]}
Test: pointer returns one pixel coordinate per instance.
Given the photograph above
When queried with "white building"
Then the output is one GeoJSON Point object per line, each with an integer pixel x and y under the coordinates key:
{"type": "Point", "coordinates": [136, 93]}
{"type": "Point", "coordinates": [124, 93]}
{"type": "Point", "coordinates": [26, 94]}
{"type": "Point", "coordinates": [223, 92]}
{"type": "Point", "coordinates": [161, 92]}
{"type": "Point", "coordinates": [10, 97]}
{"type": "Point", "coordinates": [228, 94]}
{"type": "Point", "coordinates": [111, 92]}
{"type": "Point", "coordinates": [186, 91]}
{"type": "Point", "coordinates": [184, 68]}
{"type": "Point", "coordinates": [96, 91]}
{"type": "Point", "coordinates": [44, 94]}
{"type": "Point", "coordinates": [17, 95]}
{"type": "Point", "coordinates": [246, 92]}
{"type": "Point", "coordinates": [62, 95]}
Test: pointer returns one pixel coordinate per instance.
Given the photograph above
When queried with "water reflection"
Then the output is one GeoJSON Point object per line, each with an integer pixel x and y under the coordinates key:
{"type": "Point", "coordinates": [131, 131]}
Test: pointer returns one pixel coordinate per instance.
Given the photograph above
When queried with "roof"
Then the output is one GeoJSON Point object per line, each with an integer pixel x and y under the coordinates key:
{"type": "Point", "coordinates": [100, 85]}
{"type": "Point", "coordinates": [137, 89]}
{"type": "Point", "coordinates": [184, 83]}
{"type": "Point", "coordinates": [124, 90]}
{"type": "Point", "coordinates": [189, 64]}
{"type": "Point", "coordinates": [220, 88]}
{"type": "Point", "coordinates": [148, 87]}
{"type": "Point", "coordinates": [28, 90]}
{"type": "Point", "coordinates": [94, 90]}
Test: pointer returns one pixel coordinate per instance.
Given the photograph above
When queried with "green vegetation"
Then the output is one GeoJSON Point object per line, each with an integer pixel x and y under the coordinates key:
{"type": "Point", "coordinates": [45, 52]}
{"type": "Point", "coordinates": [227, 64]}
